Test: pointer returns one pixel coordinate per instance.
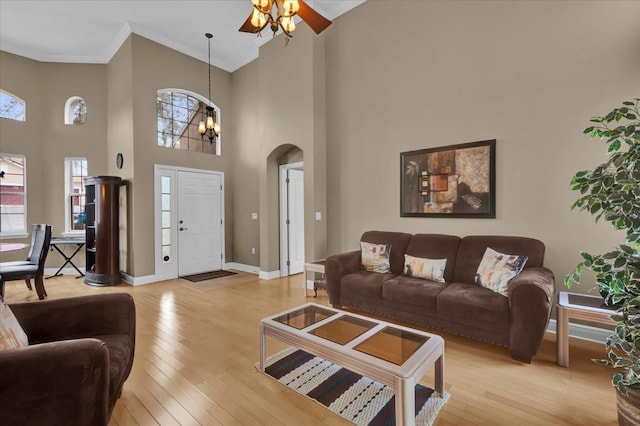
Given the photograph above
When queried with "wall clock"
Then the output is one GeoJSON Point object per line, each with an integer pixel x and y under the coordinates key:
{"type": "Point", "coordinates": [119, 160]}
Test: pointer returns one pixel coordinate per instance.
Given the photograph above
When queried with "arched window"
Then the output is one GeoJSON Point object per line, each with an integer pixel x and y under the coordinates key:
{"type": "Point", "coordinates": [12, 107]}
{"type": "Point", "coordinates": [75, 111]}
{"type": "Point", "coordinates": [179, 113]}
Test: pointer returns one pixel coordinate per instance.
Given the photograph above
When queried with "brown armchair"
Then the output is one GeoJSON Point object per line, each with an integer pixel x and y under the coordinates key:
{"type": "Point", "coordinates": [79, 355]}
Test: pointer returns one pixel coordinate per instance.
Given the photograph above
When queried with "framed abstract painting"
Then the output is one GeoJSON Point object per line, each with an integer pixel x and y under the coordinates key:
{"type": "Point", "coordinates": [449, 181]}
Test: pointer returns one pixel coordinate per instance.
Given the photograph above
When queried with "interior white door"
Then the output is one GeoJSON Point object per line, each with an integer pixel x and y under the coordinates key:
{"type": "Point", "coordinates": [199, 222]}
{"type": "Point", "coordinates": [296, 221]}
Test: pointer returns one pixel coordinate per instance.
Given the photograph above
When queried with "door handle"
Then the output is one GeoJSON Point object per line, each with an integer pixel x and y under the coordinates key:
{"type": "Point", "coordinates": [183, 229]}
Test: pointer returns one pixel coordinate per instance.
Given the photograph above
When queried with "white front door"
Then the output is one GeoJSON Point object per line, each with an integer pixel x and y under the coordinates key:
{"type": "Point", "coordinates": [296, 221]}
{"type": "Point", "coordinates": [199, 217]}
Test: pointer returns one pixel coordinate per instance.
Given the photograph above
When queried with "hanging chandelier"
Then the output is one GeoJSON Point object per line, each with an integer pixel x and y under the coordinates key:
{"type": "Point", "coordinates": [209, 125]}
{"type": "Point", "coordinates": [279, 14]}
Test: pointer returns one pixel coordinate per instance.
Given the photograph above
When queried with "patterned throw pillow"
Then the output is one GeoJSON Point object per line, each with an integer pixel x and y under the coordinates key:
{"type": "Point", "coordinates": [428, 269]}
{"type": "Point", "coordinates": [11, 334]}
{"type": "Point", "coordinates": [497, 269]}
{"type": "Point", "coordinates": [375, 257]}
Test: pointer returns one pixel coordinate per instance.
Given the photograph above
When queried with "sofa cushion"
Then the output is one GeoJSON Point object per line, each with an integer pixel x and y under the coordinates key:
{"type": "Point", "coordinates": [364, 283]}
{"type": "Point", "coordinates": [474, 305]}
{"type": "Point", "coordinates": [12, 336]}
{"type": "Point", "coordinates": [412, 291]}
{"type": "Point", "coordinates": [436, 246]}
{"type": "Point", "coordinates": [375, 257]}
{"type": "Point", "coordinates": [497, 269]}
{"type": "Point", "coordinates": [472, 248]}
{"type": "Point", "coordinates": [428, 269]}
{"type": "Point", "coordinates": [398, 242]}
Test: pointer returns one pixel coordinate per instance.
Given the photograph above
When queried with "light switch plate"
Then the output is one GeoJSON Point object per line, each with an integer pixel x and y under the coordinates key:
{"type": "Point", "coordinates": [254, 216]}
{"type": "Point", "coordinates": [318, 216]}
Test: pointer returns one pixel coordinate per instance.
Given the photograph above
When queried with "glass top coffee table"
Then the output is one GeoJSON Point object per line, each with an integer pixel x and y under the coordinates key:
{"type": "Point", "coordinates": [394, 355]}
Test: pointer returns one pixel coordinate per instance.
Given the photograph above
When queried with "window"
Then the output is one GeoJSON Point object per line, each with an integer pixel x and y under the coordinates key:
{"type": "Point", "coordinates": [166, 218]}
{"type": "Point", "coordinates": [75, 170]}
{"type": "Point", "coordinates": [11, 107]}
{"type": "Point", "coordinates": [13, 191]}
{"type": "Point", "coordinates": [75, 111]}
{"type": "Point", "coordinates": [179, 114]}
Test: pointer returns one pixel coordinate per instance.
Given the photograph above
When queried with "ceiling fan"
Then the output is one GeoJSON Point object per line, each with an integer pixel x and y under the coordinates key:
{"type": "Point", "coordinates": [278, 14]}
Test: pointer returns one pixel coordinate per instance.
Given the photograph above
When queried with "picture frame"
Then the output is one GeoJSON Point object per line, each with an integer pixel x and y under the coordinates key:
{"type": "Point", "coordinates": [456, 181]}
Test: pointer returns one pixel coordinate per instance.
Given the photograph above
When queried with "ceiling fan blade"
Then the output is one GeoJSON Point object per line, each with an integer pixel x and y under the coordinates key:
{"type": "Point", "coordinates": [317, 22]}
{"type": "Point", "coordinates": [248, 27]}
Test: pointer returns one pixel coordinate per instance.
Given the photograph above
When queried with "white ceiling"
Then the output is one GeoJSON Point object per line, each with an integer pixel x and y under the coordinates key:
{"type": "Point", "coordinates": [91, 31]}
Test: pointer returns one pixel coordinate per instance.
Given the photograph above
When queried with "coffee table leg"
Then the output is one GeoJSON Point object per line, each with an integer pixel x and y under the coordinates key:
{"type": "Point", "coordinates": [263, 348]}
{"type": "Point", "coordinates": [439, 373]}
{"type": "Point", "coordinates": [405, 402]}
{"type": "Point", "coordinates": [562, 337]}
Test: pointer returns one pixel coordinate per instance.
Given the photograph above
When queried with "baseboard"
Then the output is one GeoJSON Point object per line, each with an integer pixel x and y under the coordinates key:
{"type": "Point", "coordinates": [263, 275]}
{"type": "Point", "coordinates": [147, 279]}
{"type": "Point", "coordinates": [242, 267]}
{"type": "Point", "coordinates": [584, 332]}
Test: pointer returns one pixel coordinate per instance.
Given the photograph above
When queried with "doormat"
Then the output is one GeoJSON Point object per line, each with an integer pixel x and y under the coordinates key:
{"type": "Point", "coordinates": [208, 275]}
{"type": "Point", "coordinates": [356, 398]}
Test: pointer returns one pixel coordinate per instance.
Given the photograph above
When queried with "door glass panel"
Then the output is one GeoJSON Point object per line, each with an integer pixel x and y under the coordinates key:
{"type": "Point", "coordinates": [165, 183]}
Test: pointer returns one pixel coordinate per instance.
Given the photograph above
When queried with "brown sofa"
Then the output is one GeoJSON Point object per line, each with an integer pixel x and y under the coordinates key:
{"type": "Point", "coordinates": [79, 355]}
{"type": "Point", "coordinates": [458, 306]}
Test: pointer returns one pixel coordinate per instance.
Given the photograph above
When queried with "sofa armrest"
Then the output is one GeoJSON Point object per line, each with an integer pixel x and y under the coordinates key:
{"type": "Point", "coordinates": [77, 317]}
{"type": "Point", "coordinates": [337, 266]}
{"type": "Point", "coordinates": [55, 383]}
{"type": "Point", "coordinates": [531, 296]}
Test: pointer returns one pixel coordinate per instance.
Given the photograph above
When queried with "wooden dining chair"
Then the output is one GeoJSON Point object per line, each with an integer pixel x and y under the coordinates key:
{"type": "Point", "coordinates": [33, 267]}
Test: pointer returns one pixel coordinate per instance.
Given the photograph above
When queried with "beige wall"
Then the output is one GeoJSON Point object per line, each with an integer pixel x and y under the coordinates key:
{"type": "Point", "coordinates": [529, 74]}
{"type": "Point", "coordinates": [246, 164]}
{"type": "Point", "coordinates": [158, 67]}
{"type": "Point", "coordinates": [291, 110]}
{"type": "Point", "coordinates": [46, 140]}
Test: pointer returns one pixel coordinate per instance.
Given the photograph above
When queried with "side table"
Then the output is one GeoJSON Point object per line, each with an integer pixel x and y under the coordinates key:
{"type": "Point", "coordinates": [312, 268]}
{"type": "Point", "coordinates": [578, 306]}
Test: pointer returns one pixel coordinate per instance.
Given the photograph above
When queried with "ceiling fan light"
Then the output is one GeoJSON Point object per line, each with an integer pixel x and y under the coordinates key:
{"type": "Point", "coordinates": [258, 19]}
{"type": "Point", "coordinates": [288, 24]}
{"type": "Point", "coordinates": [290, 7]}
{"type": "Point", "coordinates": [262, 4]}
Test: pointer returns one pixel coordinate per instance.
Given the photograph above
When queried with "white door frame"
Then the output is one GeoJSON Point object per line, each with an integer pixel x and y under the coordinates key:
{"type": "Point", "coordinates": [169, 270]}
{"type": "Point", "coordinates": [284, 235]}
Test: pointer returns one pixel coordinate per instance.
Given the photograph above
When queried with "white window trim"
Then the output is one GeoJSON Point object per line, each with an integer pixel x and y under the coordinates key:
{"type": "Point", "coordinates": [24, 233]}
{"type": "Point", "coordinates": [68, 119]}
{"type": "Point", "coordinates": [67, 187]}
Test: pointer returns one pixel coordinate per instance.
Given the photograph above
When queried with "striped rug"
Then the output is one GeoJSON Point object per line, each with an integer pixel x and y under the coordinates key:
{"type": "Point", "coordinates": [356, 398]}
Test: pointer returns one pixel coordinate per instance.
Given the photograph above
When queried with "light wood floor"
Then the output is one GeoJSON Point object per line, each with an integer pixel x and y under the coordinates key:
{"type": "Point", "coordinates": [195, 355]}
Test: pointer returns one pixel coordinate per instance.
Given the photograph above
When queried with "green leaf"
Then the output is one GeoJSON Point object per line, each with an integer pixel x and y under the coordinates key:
{"type": "Point", "coordinates": [627, 249]}
{"type": "Point", "coordinates": [588, 130]}
{"type": "Point", "coordinates": [620, 262]}
{"type": "Point", "coordinates": [614, 146]}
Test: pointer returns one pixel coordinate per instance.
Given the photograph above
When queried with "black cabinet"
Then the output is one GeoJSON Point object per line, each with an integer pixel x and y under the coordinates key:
{"type": "Point", "coordinates": [102, 230]}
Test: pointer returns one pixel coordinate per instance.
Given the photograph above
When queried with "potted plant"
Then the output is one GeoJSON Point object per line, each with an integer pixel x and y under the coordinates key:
{"type": "Point", "coordinates": [611, 192]}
